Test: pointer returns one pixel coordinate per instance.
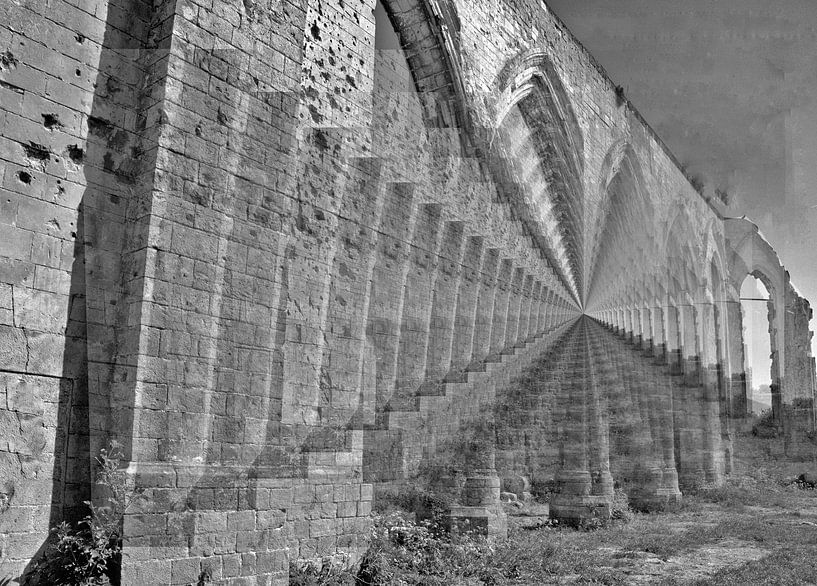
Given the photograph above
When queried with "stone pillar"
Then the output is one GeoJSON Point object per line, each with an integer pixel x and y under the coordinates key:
{"type": "Point", "coordinates": [544, 312]}
{"type": "Point", "coordinates": [672, 331]}
{"type": "Point", "coordinates": [736, 376]}
{"type": "Point", "coordinates": [724, 389]}
{"type": "Point", "coordinates": [710, 392]}
{"type": "Point", "coordinates": [669, 493]}
{"type": "Point", "coordinates": [443, 308]}
{"type": "Point", "coordinates": [631, 325]}
{"type": "Point", "coordinates": [514, 303]}
{"type": "Point", "coordinates": [501, 307]}
{"type": "Point", "coordinates": [535, 309]}
{"type": "Point", "coordinates": [383, 325]}
{"type": "Point", "coordinates": [689, 425]}
{"type": "Point", "coordinates": [467, 307]}
{"type": "Point", "coordinates": [485, 307]}
{"type": "Point", "coordinates": [599, 419]}
{"type": "Point", "coordinates": [479, 508]}
{"type": "Point", "coordinates": [525, 310]}
{"type": "Point", "coordinates": [646, 330]}
{"type": "Point", "coordinates": [798, 404]}
{"type": "Point", "coordinates": [574, 504]}
{"type": "Point", "coordinates": [659, 334]}
{"type": "Point", "coordinates": [417, 305]}
{"type": "Point", "coordinates": [348, 303]}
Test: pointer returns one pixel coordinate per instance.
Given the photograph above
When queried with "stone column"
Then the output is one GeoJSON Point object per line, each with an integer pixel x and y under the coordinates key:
{"type": "Point", "coordinates": [673, 339]}
{"type": "Point", "coordinates": [479, 507]}
{"type": "Point", "coordinates": [535, 309]}
{"type": "Point", "coordinates": [467, 307]}
{"type": "Point", "coordinates": [383, 327]}
{"type": "Point", "coordinates": [599, 419]}
{"type": "Point", "coordinates": [631, 325]}
{"type": "Point", "coordinates": [574, 504]}
{"type": "Point", "coordinates": [798, 405]}
{"type": "Point", "coordinates": [659, 335]}
{"type": "Point", "coordinates": [501, 307]}
{"type": "Point", "coordinates": [710, 395]}
{"type": "Point", "coordinates": [443, 308]}
{"type": "Point", "coordinates": [689, 429]}
{"type": "Point", "coordinates": [348, 303]}
{"type": "Point", "coordinates": [724, 390]}
{"type": "Point", "coordinates": [485, 307]}
{"type": "Point", "coordinates": [418, 295]}
{"type": "Point", "coordinates": [525, 310]}
{"type": "Point", "coordinates": [514, 303]}
{"type": "Point", "coordinates": [736, 376]}
{"type": "Point", "coordinates": [646, 330]}
{"type": "Point", "coordinates": [544, 311]}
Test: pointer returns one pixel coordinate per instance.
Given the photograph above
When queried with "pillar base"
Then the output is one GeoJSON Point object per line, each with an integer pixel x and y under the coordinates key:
{"type": "Point", "coordinates": [580, 510]}
{"type": "Point", "coordinates": [664, 497]}
{"type": "Point", "coordinates": [489, 521]}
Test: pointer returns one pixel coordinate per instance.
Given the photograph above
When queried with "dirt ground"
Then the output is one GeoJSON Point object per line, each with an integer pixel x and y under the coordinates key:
{"type": "Point", "coordinates": [756, 529]}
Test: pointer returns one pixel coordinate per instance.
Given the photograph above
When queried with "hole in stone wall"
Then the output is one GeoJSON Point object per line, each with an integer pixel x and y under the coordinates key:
{"type": "Point", "coordinates": [24, 177]}
{"type": "Point", "coordinates": [76, 154]}
{"type": "Point", "coordinates": [51, 121]}
{"type": "Point", "coordinates": [7, 61]}
{"type": "Point", "coordinates": [754, 299]}
{"type": "Point", "coordinates": [36, 151]}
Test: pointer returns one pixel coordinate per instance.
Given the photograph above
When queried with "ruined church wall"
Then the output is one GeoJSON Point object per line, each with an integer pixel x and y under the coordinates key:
{"type": "Point", "coordinates": [72, 83]}
{"type": "Point", "coordinates": [276, 308]}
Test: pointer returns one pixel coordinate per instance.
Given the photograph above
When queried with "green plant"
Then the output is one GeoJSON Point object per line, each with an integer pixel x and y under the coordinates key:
{"type": "Point", "coordinates": [89, 553]}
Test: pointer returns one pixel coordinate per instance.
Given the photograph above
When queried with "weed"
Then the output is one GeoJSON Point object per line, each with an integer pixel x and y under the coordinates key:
{"type": "Point", "coordinates": [331, 571]}
{"type": "Point", "coordinates": [89, 553]}
{"type": "Point", "coordinates": [620, 508]}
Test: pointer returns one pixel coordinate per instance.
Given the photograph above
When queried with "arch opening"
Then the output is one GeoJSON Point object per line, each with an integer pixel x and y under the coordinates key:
{"type": "Point", "coordinates": [756, 307]}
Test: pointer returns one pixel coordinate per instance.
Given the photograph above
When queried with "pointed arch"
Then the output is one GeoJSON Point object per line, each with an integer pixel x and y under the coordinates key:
{"type": "Point", "coordinates": [541, 145]}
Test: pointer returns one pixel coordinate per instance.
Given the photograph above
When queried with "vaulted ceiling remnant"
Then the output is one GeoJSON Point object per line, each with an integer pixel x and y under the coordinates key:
{"type": "Point", "coordinates": [544, 147]}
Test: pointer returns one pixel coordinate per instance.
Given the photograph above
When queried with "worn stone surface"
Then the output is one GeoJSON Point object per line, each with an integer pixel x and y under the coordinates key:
{"type": "Point", "coordinates": [289, 265]}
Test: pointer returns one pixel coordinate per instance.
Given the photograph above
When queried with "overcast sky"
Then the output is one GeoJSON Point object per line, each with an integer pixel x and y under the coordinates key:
{"type": "Point", "coordinates": [731, 87]}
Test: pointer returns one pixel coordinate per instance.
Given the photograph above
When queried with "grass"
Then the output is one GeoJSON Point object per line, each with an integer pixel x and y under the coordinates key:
{"type": "Point", "coordinates": [754, 529]}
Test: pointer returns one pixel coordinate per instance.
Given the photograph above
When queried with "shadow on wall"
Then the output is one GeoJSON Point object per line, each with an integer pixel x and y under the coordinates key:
{"type": "Point", "coordinates": [110, 163]}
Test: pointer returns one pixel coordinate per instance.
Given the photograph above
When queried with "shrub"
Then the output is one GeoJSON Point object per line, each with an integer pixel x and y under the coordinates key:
{"type": "Point", "coordinates": [543, 490]}
{"type": "Point", "coordinates": [425, 503]}
{"type": "Point", "coordinates": [404, 552]}
{"type": "Point", "coordinates": [620, 508]}
{"type": "Point", "coordinates": [332, 571]}
{"type": "Point", "coordinates": [89, 553]}
{"type": "Point", "coordinates": [765, 426]}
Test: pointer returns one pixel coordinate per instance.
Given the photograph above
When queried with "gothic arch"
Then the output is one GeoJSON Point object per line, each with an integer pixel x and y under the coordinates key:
{"type": "Point", "coordinates": [542, 148]}
{"type": "Point", "coordinates": [622, 198]}
{"type": "Point", "coordinates": [752, 255]}
{"type": "Point", "coordinates": [428, 32]}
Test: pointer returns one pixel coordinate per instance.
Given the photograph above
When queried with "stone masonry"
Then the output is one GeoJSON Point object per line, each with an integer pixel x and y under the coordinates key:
{"type": "Point", "coordinates": [295, 256]}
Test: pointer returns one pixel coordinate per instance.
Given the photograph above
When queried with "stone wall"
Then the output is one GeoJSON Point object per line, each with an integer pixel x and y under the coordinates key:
{"type": "Point", "coordinates": [286, 269]}
{"type": "Point", "coordinates": [74, 84]}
